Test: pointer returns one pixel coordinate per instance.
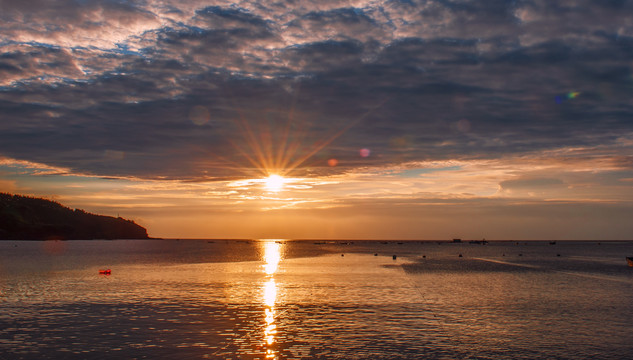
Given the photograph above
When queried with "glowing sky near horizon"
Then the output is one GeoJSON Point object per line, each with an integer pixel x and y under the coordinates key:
{"type": "Point", "coordinates": [382, 119]}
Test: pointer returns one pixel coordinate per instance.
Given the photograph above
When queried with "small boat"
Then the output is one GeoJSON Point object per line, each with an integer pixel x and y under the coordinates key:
{"type": "Point", "coordinates": [105, 272]}
{"type": "Point", "coordinates": [629, 260]}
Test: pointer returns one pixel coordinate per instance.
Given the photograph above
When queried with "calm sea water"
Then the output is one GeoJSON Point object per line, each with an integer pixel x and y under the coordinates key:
{"type": "Point", "coordinates": [307, 300]}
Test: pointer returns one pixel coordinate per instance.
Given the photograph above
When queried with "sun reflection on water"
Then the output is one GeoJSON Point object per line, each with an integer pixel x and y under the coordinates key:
{"type": "Point", "coordinates": [272, 257]}
{"type": "Point", "coordinates": [270, 293]}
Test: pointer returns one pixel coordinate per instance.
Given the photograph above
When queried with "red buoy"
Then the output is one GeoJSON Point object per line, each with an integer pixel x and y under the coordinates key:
{"type": "Point", "coordinates": [105, 272]}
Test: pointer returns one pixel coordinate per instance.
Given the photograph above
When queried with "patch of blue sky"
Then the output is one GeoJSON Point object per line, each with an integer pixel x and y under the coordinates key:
{"type": "Point", "coordinates": [26, 177]}
{"type": "Point", "coordinates": [70, 184]}
{"type": "Point", "coordinates": [123, 48]}
{"type": "Point", "coordinates": [30, 43]}
{"type": "Point", "coordinates": [412, 173]}
{"type": "Point", "coordinates": [30, 172]}
{"type": "Point", "coordinates": [15, 169]}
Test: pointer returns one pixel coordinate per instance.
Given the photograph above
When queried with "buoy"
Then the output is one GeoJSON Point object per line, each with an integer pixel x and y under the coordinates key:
{"type": "Point", "coordinates": [423, 256]}
{"type": "Point", "coordinates": [105, 272]}
{"type": "Point", "coordinates": [460, 255]}
{"type": "Point", "coordinates": [342, 254]}
{"type": "Point", "coordinates": [395, 257]}
{"type": "Point", "coordinates": [376, 254]}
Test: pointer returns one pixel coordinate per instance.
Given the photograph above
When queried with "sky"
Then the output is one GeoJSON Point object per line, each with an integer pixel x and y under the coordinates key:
{"type": "Point", "coordinates": [432, 119]}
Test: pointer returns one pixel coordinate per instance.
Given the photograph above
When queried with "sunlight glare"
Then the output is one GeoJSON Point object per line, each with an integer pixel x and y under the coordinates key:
{"type": "Point", "coordinates": [272, 256]}
{"type": "Point", "coordinates": [270, 293]}
{"type": "Point", "coordinates": [274, 183]}
{"type": "Point", "coordinates": [270, 329]}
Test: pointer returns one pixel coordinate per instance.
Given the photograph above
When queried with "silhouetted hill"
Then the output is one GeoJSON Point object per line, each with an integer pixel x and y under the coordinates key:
{"type": "Point", "coordinates": [28, 218]}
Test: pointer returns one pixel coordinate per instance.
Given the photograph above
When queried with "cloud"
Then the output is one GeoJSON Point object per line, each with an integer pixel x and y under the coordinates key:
{"type": "Point", "coordinates": [37, 63]}
{"type": "Point", "coordinates": [341, 24]}
{"type": "Point", "coordinates": [70, 23]}
{"type": "Point", "coordinates": [531, 183]}
{"type": "Point", "coordinates": [325, 55]}
{"type": "Point", "coordinates": [107, 88]}
{"type": "Point", "coordinates": [226, 18]}
{"type": "Point", "coordinates": [533, 187]}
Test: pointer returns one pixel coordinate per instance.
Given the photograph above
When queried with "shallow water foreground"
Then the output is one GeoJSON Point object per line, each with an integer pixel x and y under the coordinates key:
{"type": "Point", "coordinates": [334, 300]}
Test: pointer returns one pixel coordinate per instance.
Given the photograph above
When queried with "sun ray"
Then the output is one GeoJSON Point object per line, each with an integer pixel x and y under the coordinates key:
{"type": "Point", "coordinates": [276, 147]}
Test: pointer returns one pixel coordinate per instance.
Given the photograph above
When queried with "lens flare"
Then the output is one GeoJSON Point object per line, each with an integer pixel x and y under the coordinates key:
{"type": "Point", "coordinates": [199, 115]}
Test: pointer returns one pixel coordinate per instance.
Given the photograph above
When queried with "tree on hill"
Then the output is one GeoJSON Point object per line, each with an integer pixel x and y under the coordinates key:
{"type": "Point", "coordinates": [30, 218]}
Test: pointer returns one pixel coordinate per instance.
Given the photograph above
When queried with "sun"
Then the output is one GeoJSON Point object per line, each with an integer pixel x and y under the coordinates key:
{"type": "Point", "coordinates": [274, 183]}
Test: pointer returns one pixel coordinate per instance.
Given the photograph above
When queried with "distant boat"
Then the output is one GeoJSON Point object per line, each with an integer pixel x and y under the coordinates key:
{"type": "Point", "coordinates": [629, 260]}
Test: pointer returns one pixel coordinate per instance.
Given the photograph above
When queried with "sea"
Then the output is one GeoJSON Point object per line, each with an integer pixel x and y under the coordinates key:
{"type": "Point", "coordinates": [282, 299]}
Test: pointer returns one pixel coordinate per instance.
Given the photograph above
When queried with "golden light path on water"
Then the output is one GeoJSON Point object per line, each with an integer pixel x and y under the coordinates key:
{"type": "Point", "coordinates": [272, 257]}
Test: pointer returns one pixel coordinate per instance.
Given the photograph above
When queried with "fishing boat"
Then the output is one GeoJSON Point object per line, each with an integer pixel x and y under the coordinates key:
{"type": "Point", "coordinates": [629, 260]}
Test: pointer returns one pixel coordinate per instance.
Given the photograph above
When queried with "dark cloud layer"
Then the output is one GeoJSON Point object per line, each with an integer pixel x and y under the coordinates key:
{"type": "Point", "coordinates": [193, 92]}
